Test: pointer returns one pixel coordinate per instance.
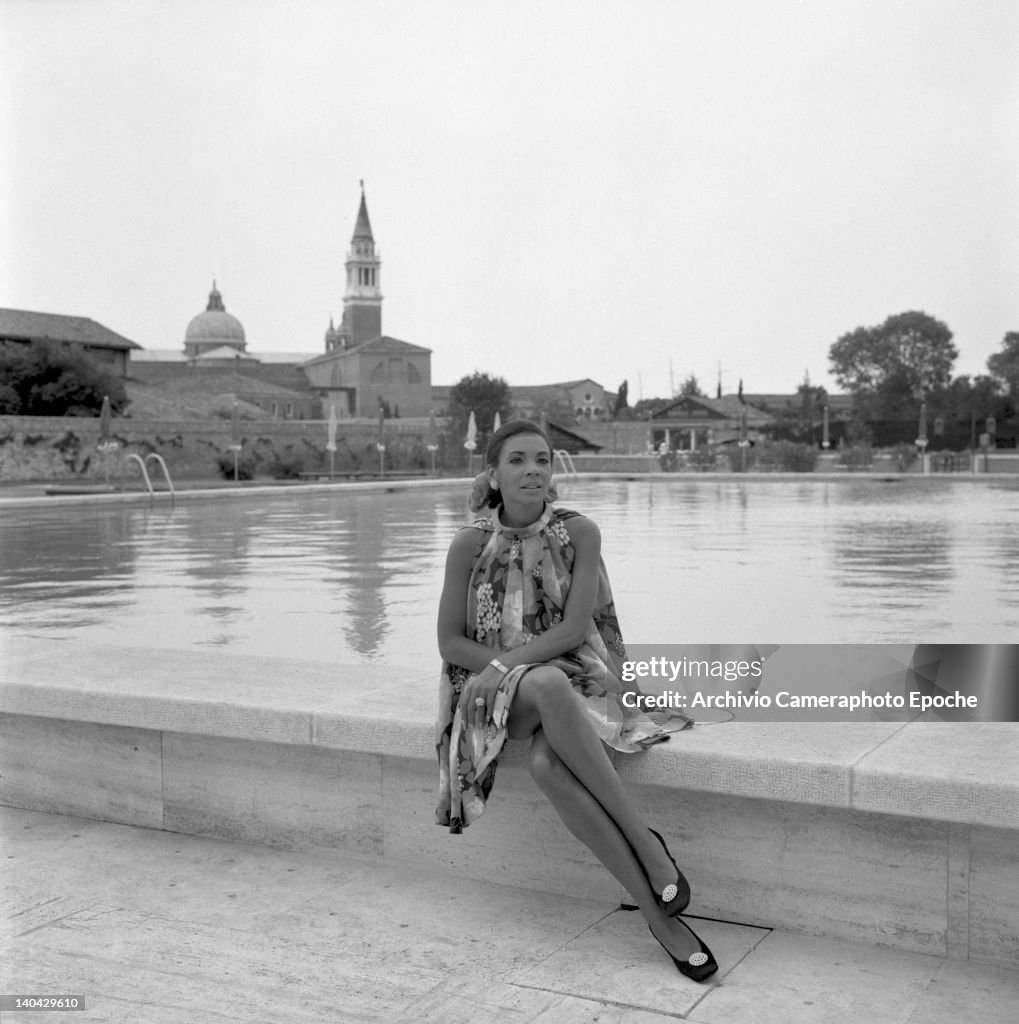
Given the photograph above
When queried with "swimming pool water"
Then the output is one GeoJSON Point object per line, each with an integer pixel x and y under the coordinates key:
{"type": "Point", "coordinates": [354, 576]}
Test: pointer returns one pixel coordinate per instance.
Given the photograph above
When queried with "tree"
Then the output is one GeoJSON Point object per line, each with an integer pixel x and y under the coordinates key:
{"type": "Point", "coordinates": [484, 396]}
{"type": "Point", "coordinates": [813, 399]}
{"type": "Point", "coordinates": [650, 405]}
{"type": "Point", "coordinates": [1004, 365]}
{"type": "Point", "coordinates": [621, 399]}
{"type": "Point", "coordinates": [970, 396]}
{"type": "Point", "coordinates": [889, 367]}
{"type": "Point", "coordinates": [690, 388]}
{"type": "Point", "coordinates": [46, 378]}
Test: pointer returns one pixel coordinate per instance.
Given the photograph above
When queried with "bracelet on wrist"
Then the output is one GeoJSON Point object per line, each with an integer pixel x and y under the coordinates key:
{"type": "Point", "coordinates": [496, 663]}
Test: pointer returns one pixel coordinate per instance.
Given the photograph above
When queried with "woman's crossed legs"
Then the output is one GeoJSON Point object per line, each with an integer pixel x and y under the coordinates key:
{"type": "Point", "coordinates": [571, 767]}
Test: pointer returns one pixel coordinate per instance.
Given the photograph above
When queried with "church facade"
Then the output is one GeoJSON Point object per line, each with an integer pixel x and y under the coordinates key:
{"type": "Point", "coordinates": [360, 371]}
{"type": "Point", "coordinates": [363, 370]}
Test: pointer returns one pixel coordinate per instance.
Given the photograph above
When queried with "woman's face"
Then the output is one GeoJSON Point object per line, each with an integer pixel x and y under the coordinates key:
{"type": "Point", "coordinates": [524, 471]}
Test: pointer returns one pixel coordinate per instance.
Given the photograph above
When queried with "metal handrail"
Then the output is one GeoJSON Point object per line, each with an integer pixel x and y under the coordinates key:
{"type": "Point", "coordinates": [162, 464]}
{"type": "Point", "coordinates": [562, 458]}
{"type": "Point", "coordinates": [145, 473]}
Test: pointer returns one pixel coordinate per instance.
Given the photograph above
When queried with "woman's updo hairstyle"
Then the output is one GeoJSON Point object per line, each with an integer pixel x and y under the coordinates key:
{"type": "Point", "coordinates": [482, 496]}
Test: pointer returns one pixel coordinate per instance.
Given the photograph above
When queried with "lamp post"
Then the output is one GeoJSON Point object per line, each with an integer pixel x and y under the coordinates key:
{"type": "Point", "coordinates": [744, 440]}
{"type": "Point", "coordinates": [106, 443]}
{"type": "Point", "coordinates": [990, 428]}
{"type": "Point", "coordinates": [921, 440]}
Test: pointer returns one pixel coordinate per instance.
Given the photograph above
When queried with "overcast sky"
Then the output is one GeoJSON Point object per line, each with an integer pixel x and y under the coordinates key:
{"type": "Point", "coordinates": [558, 189]}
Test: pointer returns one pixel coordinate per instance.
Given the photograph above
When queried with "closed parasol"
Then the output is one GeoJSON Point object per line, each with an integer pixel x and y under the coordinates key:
{"type": "Point", "coordinates": [106, 443]}
{"type": "Point", "coordinates": [472, 440]}
{"type": "Point", "coordinates": [331, 439]}
{"type": "Point", "coordinates": [235, 437]}
{"type": "Point", "coordinates": [381, 443]}
{"type": "Point", "coordinates": [433, 438]}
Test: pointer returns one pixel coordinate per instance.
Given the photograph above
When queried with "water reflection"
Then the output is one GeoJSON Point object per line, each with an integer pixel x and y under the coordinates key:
{"type": "Point", "coordinates": [59, 575]}
{"type": "Point", "coordinates": [355, 577]}
{"type": "Point", "coordinates": [868, 550]}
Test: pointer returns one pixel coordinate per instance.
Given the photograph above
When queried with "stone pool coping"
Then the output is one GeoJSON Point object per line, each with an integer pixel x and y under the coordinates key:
{"type": "Point", "coordinates": [33, 492]}
{"type": "Point", "coordinates": [958, 772]}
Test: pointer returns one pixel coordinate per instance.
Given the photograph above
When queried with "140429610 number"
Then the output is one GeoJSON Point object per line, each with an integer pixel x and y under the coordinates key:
{"type": "Point", "coordinates": [41, 1002]}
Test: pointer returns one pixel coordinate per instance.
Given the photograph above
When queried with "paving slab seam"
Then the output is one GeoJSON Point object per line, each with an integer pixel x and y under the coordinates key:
{"type": "Point", "coordinates": [56, 920]}
{"type": "Point", "coordinates": [320, 945]}
{"type": "Point", "coordinates": [854, 764]}
{"type": "Point", "coordinates": [886, 739]}
{"type": "Point", "coordinates": [605, 1002]}
{"type": "Point", "coordinates": [162, 782]}
{"type": "Point", "coordinates": [554, 952]}
{"type": "Point", "coordinates": [890, 737]}
{"type": "Point", "coordinates": [159, 1010]}
{"type": "Point", "coordinates": [957, 865]}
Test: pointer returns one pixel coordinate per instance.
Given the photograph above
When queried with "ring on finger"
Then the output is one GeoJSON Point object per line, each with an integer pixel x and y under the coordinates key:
{"type": "Point", "coordinates": [480, 702]}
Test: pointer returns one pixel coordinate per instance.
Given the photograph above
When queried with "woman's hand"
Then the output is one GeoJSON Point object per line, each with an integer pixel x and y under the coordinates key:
{"type": "Point", "coordinates": [478, 695]}
{"type": "Point", "coordinates": [566, 664]}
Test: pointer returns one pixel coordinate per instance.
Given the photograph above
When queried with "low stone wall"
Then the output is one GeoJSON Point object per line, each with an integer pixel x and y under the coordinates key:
{"type": "Point", "coordinates": [619, 437]}
{"type": "Point", "coordinates": [999, 462]}
{"type": "Point", "coordinates": [616, 463]}
{"type": "Point", "coordinates": [45, 448]}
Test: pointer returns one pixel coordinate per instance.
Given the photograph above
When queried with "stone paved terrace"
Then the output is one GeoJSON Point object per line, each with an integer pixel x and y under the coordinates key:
{"type": "Point", "coordinates": [152, 927]}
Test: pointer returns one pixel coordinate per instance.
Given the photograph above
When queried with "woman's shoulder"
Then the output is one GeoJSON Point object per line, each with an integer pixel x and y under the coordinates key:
{"type": "Point", "coordinates": [564, 514]}
{"type": "Point", "coordinates": [464, 547]}
{"type": "Point", "coordinates": [472, 533]}
{"type": "Point", "coordinates": [577, 525]}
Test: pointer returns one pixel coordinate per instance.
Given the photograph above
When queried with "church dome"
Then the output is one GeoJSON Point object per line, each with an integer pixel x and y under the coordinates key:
{"type": "Point", "coordinates": [214, 328]}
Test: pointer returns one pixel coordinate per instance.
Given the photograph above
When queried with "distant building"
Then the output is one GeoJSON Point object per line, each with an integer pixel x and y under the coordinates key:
{"type": "Point", "coordinates": [215, 336]}
{"type": "Point", "coordinates": [106, 347]}
{"type": "Point", "coordinates": [572, 401]}
{"type": "Point", "coordinates": [362, 369]}
{"type": "Point", "coordinates": [575, 402]}
{"type": "Point", "coordinates": [214, 363]}
{"type": "Point", "coordinates": [693, 421]}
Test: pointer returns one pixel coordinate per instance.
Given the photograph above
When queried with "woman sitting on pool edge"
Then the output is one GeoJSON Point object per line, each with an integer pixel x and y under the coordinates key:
{"type": "Point", "coordinates": [531, 648]}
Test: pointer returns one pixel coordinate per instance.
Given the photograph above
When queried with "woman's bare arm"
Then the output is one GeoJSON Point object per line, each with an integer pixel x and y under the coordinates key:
{"type": "Point", "coordinates": [459, 649]}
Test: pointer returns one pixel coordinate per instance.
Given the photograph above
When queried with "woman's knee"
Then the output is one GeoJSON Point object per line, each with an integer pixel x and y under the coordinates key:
{"type": "Point", "coordinates": [540, 691]}
{"type": "Point", "coordinates": [549, 684]}
{"type": "Point", "coordinates": [543, 762]}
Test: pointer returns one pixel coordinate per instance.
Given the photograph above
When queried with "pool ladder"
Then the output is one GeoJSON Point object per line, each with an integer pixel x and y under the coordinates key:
{"type": "Point", "coordinates": [158, 459]}
{"type": "Point", "coordinates": [563, 468]}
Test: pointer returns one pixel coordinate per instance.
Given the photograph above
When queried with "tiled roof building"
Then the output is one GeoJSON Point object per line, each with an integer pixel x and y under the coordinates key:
{"type": "Point", "coordinates": [98, 342]}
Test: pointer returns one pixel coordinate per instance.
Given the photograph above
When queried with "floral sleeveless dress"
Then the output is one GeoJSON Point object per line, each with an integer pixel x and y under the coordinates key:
{"type": "Point", "coordinates": [518, 588]}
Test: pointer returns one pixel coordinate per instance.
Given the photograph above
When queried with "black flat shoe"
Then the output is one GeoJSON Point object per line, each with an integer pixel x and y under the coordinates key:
{"type": "Point", "coordinates": [674, 898]}
{"type": "Point", "coordinates": [700, 966]}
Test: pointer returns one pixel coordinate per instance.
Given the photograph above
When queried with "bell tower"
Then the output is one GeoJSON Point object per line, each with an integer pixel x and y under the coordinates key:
{"type": "Point", "coordinates": [362, 301]}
